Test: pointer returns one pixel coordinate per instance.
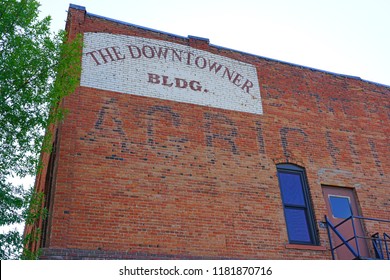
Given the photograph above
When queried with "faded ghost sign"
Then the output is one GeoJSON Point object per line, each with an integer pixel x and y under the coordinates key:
{"type": "Point", "coordinates": [169, 71]}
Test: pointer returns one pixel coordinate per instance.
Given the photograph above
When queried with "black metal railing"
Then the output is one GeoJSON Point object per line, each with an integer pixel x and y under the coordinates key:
{"type": "Point", "coordinates": [380, 242]}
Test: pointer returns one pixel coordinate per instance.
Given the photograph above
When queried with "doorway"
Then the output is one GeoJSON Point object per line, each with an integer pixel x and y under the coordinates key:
{"type": "Point", "coordinates": [341, 204]}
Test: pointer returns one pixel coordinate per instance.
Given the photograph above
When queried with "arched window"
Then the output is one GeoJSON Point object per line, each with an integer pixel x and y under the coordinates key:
{"type": "Point", "coordinates": [296, 203]}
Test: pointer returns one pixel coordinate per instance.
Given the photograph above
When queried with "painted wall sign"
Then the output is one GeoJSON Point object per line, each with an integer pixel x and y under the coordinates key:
{"type": "Point", "coordinates": [169, 71]}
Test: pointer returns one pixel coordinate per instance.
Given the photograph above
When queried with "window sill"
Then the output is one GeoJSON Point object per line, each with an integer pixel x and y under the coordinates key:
{"type": "Point", "coordinates": [306, 247]}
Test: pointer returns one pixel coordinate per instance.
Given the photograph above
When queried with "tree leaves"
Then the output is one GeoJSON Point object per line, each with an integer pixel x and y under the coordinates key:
{"type": "Point", "coordinates": [28, 55]}
{"type": "Point", "coordinates": [37, 69]}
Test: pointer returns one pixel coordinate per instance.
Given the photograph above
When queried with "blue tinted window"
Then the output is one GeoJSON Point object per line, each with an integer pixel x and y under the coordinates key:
{"type": "Point", "coordinates": [291, 186]}
{"type": "Point", "coordinates": [340, 207]}
{"type": "Point", "coordinates": [297, 226]}
{"type": "Point", "coordinates": [297, 210]}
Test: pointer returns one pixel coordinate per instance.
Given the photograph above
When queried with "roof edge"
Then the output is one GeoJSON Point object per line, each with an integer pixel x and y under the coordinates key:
{"type": "Point", "coordinates": [77, 7]}
{"type": "Point", "coordinates": [82, 8]}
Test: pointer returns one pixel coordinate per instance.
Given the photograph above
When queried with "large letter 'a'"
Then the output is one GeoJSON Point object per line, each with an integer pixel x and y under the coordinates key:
{"type": "Point", "coordinates": [109, 128]}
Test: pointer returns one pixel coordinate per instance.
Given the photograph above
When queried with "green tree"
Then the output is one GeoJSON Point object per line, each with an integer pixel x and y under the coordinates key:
{"type": "Point", "coordinates": [37, 69]}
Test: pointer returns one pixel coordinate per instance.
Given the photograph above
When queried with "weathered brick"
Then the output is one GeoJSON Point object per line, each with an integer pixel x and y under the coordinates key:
{"type": "Point", "coordinates": [143, 177]}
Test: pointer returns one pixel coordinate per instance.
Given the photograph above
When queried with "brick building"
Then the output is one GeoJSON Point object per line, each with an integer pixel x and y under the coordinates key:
{"type": "Point", "coordinates": [175, 148]}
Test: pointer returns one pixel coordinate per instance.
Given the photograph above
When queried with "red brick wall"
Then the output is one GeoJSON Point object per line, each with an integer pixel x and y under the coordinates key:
{"type": "Point", "coordinates": [144, 177]}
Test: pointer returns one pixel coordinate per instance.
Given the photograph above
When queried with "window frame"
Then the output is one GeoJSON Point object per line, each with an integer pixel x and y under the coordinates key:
{"type": "Point", "coordinates": [307, 208]}
{"type": "Point", "coordinates": [333, 209]}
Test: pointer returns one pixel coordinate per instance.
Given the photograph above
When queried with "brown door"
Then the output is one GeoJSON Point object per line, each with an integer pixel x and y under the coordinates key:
{"type": "Point", "coordinates": [341, 204]}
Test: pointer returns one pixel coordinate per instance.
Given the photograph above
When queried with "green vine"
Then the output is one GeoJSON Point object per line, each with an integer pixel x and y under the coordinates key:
{"type": "Point", "coordinates": [35, 214]}
{"type": "Point", "coordinates": [67, 79]}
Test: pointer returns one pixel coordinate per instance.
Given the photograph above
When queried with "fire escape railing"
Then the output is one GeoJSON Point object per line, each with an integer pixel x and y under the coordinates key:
{"type": "Point", "coordinates": [381, 246]}
{"type": "Point", "coordinates": [380, 242]}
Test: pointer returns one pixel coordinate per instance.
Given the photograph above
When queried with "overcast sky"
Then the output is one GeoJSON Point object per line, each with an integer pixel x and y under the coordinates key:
{"type": "Point", "coordinates": [349, 37]}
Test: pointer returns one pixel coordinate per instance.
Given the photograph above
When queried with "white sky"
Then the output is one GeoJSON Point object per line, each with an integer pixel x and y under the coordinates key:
{"type": "Point", "coordinates": [349, 37]}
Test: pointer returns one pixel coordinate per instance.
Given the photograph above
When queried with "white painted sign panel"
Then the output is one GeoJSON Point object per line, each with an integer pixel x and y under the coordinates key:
{"type": "Point", "coordinates": [165, 70]}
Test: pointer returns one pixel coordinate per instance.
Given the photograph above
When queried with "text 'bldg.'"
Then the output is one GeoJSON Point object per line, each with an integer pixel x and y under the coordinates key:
{"type": "Point", "coordinates": [174, 148]}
